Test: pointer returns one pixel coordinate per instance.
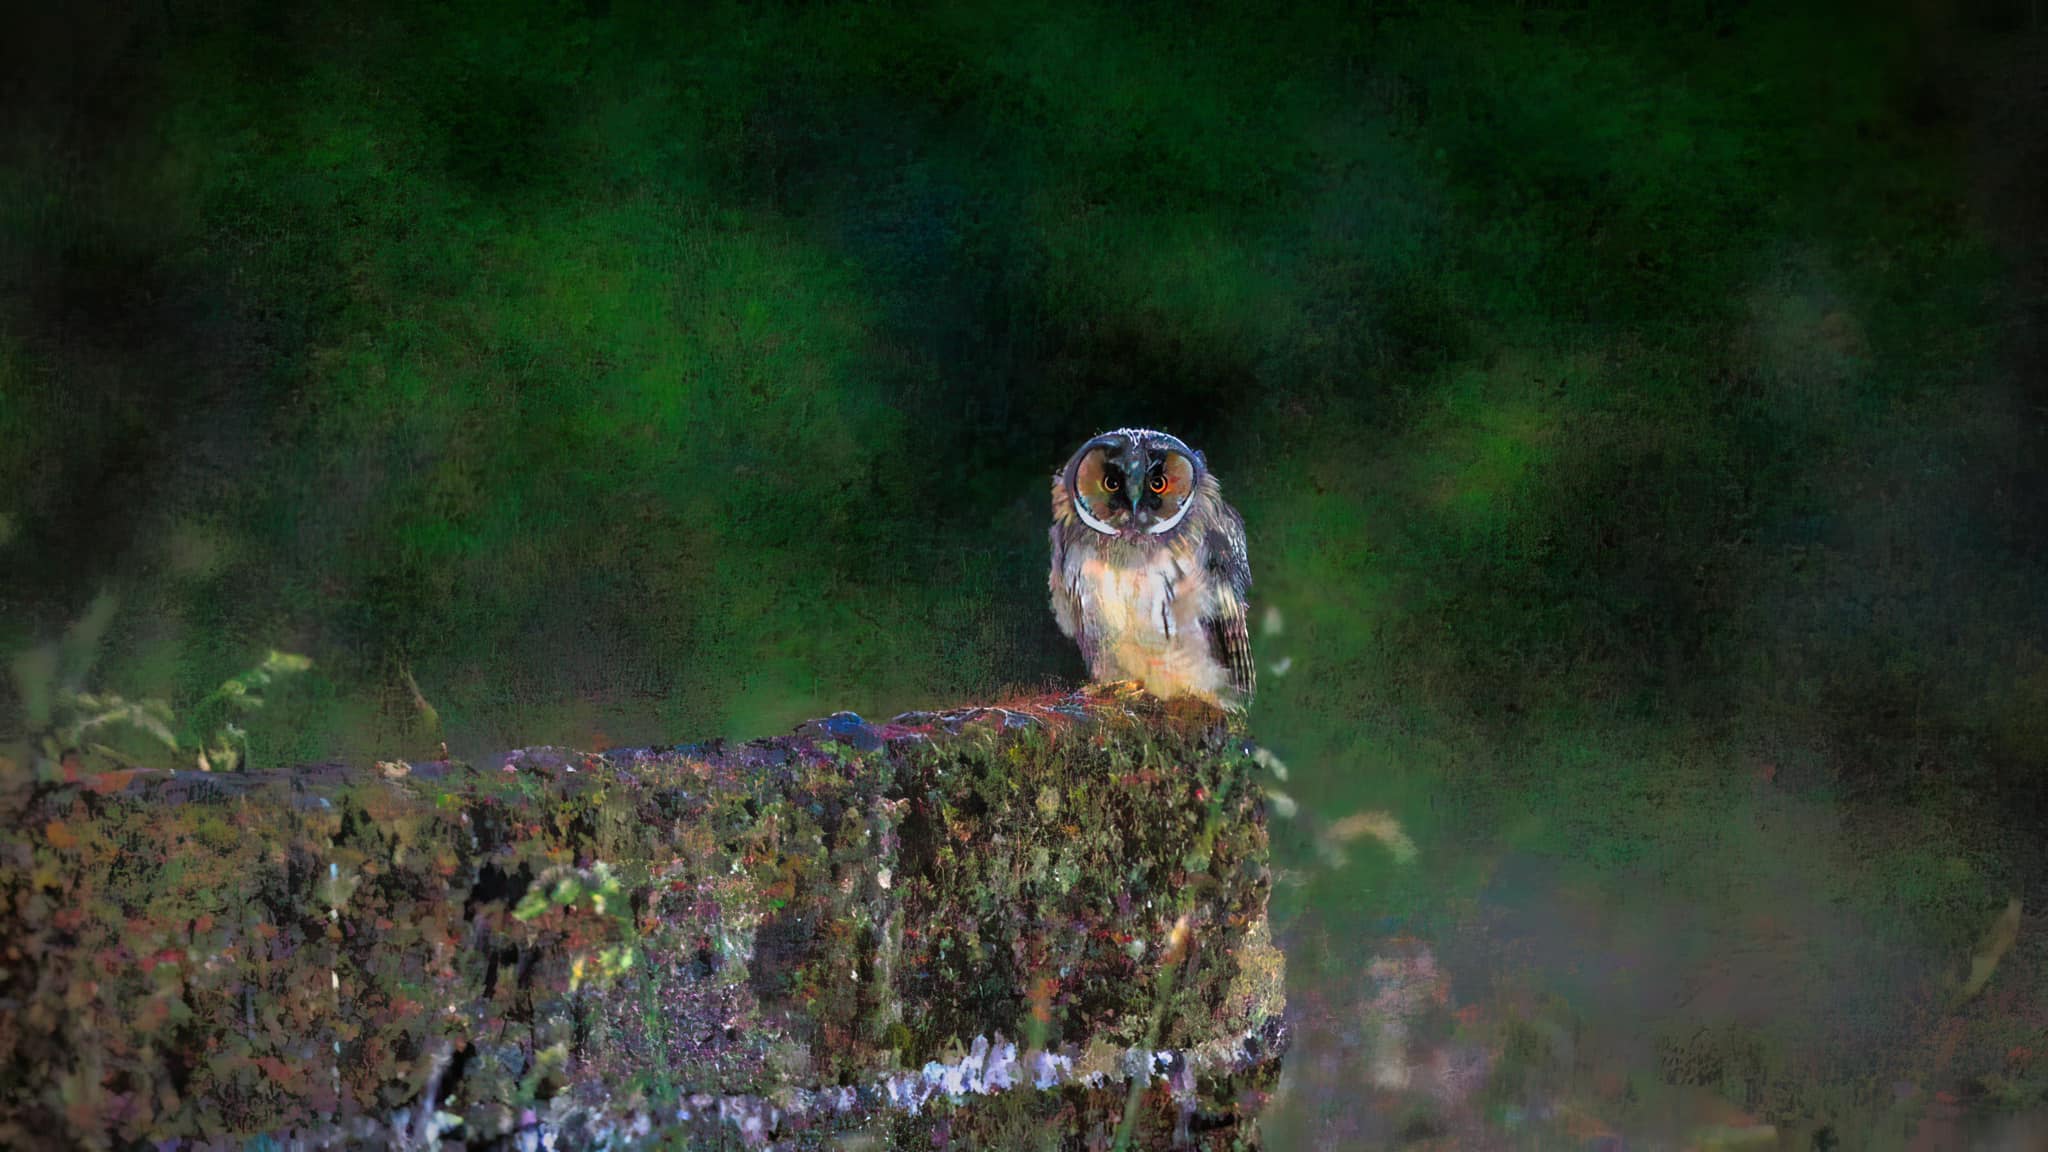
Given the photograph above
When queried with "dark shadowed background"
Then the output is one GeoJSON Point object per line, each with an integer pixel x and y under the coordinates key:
{"type": "Point", "coordinates": [1637, 411]}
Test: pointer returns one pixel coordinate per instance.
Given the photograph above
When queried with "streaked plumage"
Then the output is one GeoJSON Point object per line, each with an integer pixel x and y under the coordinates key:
{"type": "Point", "coordinates": [1149, 574]}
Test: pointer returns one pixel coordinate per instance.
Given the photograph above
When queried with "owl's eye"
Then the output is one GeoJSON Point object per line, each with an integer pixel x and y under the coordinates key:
{"type": "Point", "coordinates": [1158, 483]}
{"type": "Point", "coordinates": [1111, 482]}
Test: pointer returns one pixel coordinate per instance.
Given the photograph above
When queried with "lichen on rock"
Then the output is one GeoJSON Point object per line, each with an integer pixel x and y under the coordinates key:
{"type": "Point", "coordinates": [943, 930]}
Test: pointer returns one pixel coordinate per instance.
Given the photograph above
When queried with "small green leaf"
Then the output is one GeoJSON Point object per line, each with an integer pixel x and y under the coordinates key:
{"type": "Point", "coordinates": [533, 904]}
{"type": "Point", "coordinates": [35, 677]}
{"type": "Point", "coordinates": [145, 718]}
{"type": "Point", "coordinates": [1996, 942]}
{"type": "Point", "coordinates": [81, 643]}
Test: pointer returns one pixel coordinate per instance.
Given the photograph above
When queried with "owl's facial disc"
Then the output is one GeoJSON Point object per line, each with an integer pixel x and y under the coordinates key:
{"type": "Point", "coordinates": [1130, 490]}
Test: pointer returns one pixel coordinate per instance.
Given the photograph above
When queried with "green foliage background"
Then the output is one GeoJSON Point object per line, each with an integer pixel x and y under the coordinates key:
{"type": "Point", "coordinates": [1634, 406]}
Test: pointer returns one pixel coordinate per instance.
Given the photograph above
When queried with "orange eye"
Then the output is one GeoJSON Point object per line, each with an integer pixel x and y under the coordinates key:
{"type": "Point", "coordinates": [1111, 482]}
{"type": "Point", "coordinates": [1158, 483]}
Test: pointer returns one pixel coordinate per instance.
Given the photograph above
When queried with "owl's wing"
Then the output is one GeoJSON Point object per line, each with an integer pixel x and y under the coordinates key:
{"type": "Point", "coordinates": [1066, 608]}
{"type": "Point", "coordinates": [1230, 638]}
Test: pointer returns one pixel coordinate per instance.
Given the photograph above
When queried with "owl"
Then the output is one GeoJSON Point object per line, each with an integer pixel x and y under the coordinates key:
{"type": "Point", "coordinates": [1149, 574]}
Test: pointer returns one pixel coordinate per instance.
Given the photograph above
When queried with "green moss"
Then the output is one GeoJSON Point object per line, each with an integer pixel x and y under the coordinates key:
{"type": "Point", "coordinates": [619, 932]}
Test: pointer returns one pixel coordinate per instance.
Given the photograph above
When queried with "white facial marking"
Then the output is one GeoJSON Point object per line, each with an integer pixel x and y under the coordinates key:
{"type": "Point", "coordinates": [1081, 506]}
{"type": "Point", "coordinates": [1167, 524]}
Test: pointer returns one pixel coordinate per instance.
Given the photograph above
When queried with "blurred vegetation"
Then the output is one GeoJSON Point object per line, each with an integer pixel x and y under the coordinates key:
{"type": "Point", "coordinates": [71, 730]}
{"type": "Point", "coordinates": [1631, 404]}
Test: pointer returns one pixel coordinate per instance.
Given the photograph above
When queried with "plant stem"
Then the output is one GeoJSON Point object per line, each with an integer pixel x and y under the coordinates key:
{"type": "Point", "coordinates": [1162, 996]}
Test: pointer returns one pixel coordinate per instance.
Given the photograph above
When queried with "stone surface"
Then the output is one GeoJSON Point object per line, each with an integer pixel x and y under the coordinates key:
{"type": "Point", "coordinates": [958, 929]}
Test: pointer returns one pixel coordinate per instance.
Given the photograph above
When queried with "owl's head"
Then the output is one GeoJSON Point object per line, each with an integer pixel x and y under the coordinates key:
{"type": "Point", "coordinates": [1133, 482]}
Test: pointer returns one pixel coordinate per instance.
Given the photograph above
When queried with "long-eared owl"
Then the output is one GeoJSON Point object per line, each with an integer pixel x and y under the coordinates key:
{"type": "Point", "coordinates": [1149, 573]}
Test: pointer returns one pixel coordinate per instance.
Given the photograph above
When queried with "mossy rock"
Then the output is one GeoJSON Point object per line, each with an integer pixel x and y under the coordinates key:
{"type": "Point", "coordinates": [948, 930]}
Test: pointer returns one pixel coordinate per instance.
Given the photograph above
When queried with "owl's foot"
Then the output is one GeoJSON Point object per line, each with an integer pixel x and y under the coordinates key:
{"type": "Point", "coordinates": [1121, 689]}
{"type": "Point", "coordinates": [1124, 692]}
